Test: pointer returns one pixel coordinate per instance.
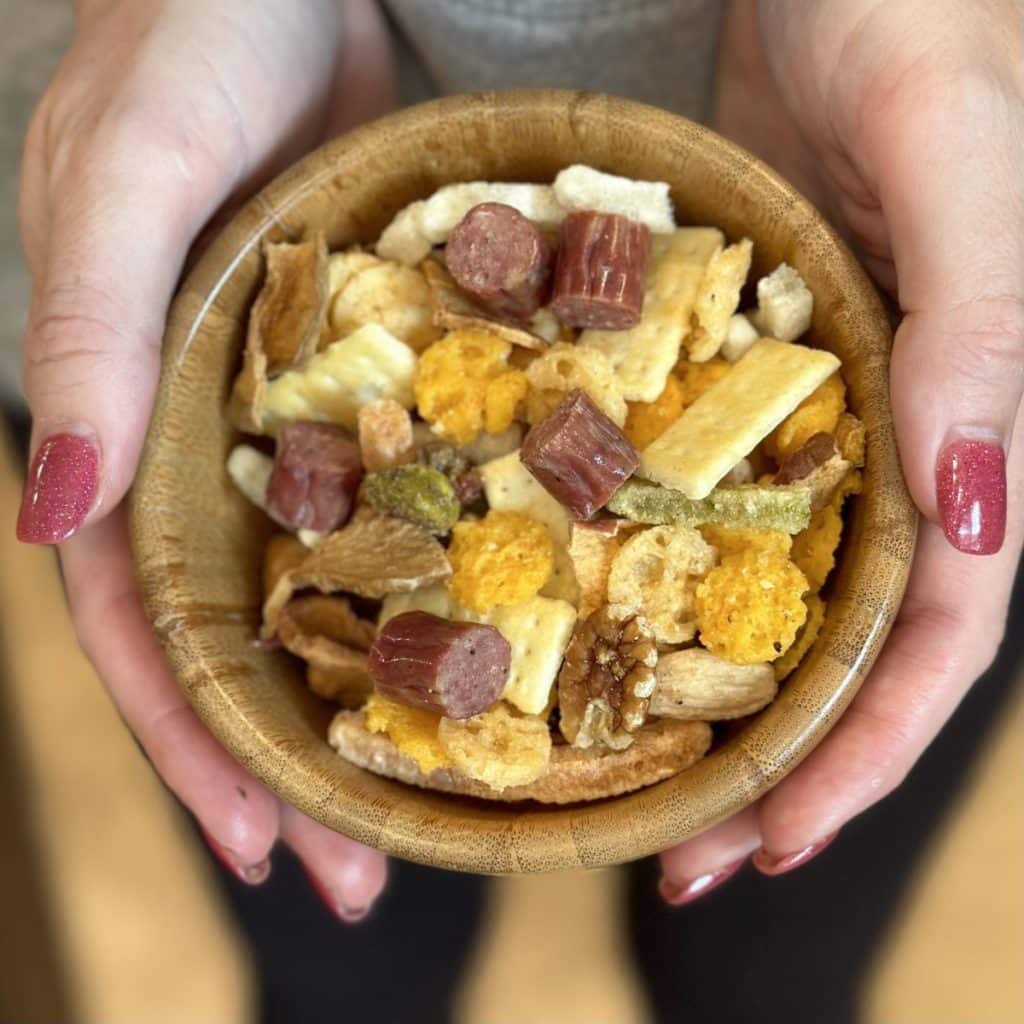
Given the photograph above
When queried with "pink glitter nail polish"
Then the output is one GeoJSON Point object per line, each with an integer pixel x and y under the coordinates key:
{"type": "Point", "coordinates": [60, 489]}
{"type": "Point", "coordinates": [970, 484]}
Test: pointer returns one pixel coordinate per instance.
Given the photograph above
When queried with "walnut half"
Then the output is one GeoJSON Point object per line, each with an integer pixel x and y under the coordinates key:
{"type": "Point", "coordinates": [606, 680]}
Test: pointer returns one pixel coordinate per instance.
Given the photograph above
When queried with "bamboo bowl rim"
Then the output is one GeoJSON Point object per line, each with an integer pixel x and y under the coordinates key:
{"type": "Point", "coordinates": [184, 516]}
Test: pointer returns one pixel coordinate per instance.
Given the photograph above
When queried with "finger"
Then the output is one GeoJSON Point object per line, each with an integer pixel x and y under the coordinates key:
{"type": "Point", "coordinates": [692, 869]}
{"type": "Point", "coordinates": [347, 876]}
{"type": "Point", "coordinates": [952, 194]}
{"type": "Point", "coordinates": [239, 814]}
{"type": "Point", "coordinates": [946, 634]}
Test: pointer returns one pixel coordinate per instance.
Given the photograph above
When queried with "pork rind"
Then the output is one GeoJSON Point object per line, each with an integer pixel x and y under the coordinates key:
{"type": "Point", "coordinates": [509, 486]}
{"type": "Point", "coordinates": [717, 299]}
{"type": "Point", "coordinates": [503, 559]}
{"type": "Point", "coordinates": [385, 435]}
{"type": "Point", "coordinates": [368, 290]}
{"type": "Point", "coordinates": [814, 549]}
{"type": "Point", "coordinates": [334, 384]}
{"type": "Point", "coordinates": [655, 575]}
{"type": "Point", "coordinates": [784, 305]}
{"type": "Point", "coordinates": [284, 325]}
{"type": "Point", "coordinates": [327, 634]}
{"type": "Point", "coordinates": [818, 413]}
{"type": "Point", "coordinates": [739, 338]}
{"type": "Point", "coordinates": [428, 222]}
{"type": "Point", "coordinates": [698, 684]}
{"type": "Point", "coordinates": [454, 310]}
{"type": "Point", "coordinates": [500, 747]}
{"type": "Point", "coordinates": [786, 508]}
{"type": "Point", "coordinates": [452, 385]}
{"type": "Point", "coordinates": [538, 631]}
{"type": "Point", "coordinates": [412, 730]}
{"type": "Point", "coordinates": [562, 369]}
{"type": "Point", "coordinates": [643, 356]}
{"type": "Point", "coordinates": [804, 639]}
{"type": "Point", "coordinates": [592, 548]}
{"type": "Point", "coordinates": [750, 607]}
{"type": "Point", "coordinates": [734, 415]}
{"type": "Point", "coordinates": [250, 471]}
{"type": "Point", "coordinates": [579, 187]}
{"type": "Point", "coordinates": [647, 421]}
{"type": "Point", "coordinates": [373, 556]}
{"type": "Point", "coordinates": [282, 554]}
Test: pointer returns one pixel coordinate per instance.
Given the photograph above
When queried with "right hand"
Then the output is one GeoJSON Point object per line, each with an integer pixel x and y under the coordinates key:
{"type": "Point", "coordinates": [162, 112]}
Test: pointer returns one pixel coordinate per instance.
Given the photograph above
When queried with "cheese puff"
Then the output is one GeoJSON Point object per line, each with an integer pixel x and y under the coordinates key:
{"type": "Point", "coordinates": [412, 730]}
{"type": "Point", "coordinates": [696, 378]}
{"type": "Point", "coordinates": [734, 540]}
{"type": "Point", "coordinates": [750, 607]}
{"type": "Point", "coordinates": [503, 396]}
{"type": "Point", "coordinates": [805, 638]}
{"type": "Point", "coordinates": [818, 413]}
{"type": "Point", "coordinates": [814, 549]}
{"type": "Point", "coordinates": [647, 421]}
{"type": "Point", "coordinates": [503, 559]}
{"type": "Point", "coordinates": [452, 378]}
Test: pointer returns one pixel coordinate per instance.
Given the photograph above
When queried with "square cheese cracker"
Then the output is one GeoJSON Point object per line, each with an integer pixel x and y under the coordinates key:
{"type": "Point", "coordinates": [734, 415]}
{"type": "Point", "coordinates": [538, 631]}
{"type": "Point", "coordinates": [510, 487]}
{"type": "Point", "coordinates": [643, 356]}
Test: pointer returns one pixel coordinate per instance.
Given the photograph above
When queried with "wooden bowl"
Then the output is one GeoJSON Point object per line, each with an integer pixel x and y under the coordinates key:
{"type": "Point", "coordinates": [198, 543]}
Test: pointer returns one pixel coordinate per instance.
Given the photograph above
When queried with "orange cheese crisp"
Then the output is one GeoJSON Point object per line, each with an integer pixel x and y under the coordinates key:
{"type": "Point", "coordinates": [696, 378]}
{"type": "Point", "coordinates": [733, 540]}
{"type": "Point", "coordinates": [814, 549]}
{"type": "Point", "coordinates": [452, 379]}
{"type": "Point", "coordinates": [818, 413]}
{"type": "Point", "coordinates": [504, 559]}
{"type": "Point", "coordinates": [805, 638]}
{"type": "Point", "coordinates": [503, 395]}
{"type": "Point", "coordinates": [750, 607]}
{"type": "Point", "coordinates": [647, 421]}
{"type": "Point", "coordinates": [412, 730]}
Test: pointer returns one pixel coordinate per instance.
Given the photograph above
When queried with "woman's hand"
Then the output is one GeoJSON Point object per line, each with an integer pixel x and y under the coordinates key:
{"type": "Point", "coordinates": [904, 121]}
{"type": "Point", "coordinates": [162, 112]}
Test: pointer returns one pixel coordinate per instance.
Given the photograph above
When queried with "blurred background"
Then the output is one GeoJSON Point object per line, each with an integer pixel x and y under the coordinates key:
{"type": "Point", "coordinates": [115, 913]}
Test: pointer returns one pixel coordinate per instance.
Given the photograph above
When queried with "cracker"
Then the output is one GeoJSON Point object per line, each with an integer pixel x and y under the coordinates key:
{"type": "Point", "coordinates": [734, 415]}
{"type": "Point", "coordinates": [643, 356]}
{"type": "Point", "coordinates": [717, 299]}
{"type": "Point", "coordinates": [583, 188]}
{"type": "Point", "coordinates": [509, 486]}
{"type": "Point", "coordinates": [371, 363]}
{"type": "Point", "coordinates": [661, 749]}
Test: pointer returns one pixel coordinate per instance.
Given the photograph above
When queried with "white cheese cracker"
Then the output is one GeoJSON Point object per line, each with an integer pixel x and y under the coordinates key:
{"type": "Point", "coordinates": [734, 415]}
{"type": "Point", "coordinates": [583, 188]}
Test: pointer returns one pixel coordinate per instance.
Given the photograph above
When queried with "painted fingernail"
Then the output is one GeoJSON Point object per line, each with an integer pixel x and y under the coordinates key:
{"type": "Point", "coordinates": [677, 895]}
{"type": "Point", "coordinates": [60, 489]}
{"type": "Point", "coordinates": [970, 485]}
{"type": "Point", "coordinates": [348, 914]}
{"type": "Point", "coordinates": [769, 865]}
{"type": "Point", "coordinates": [251, 874]}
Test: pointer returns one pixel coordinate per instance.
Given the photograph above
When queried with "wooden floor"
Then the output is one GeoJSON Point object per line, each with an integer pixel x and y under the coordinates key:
{"type": "Point", "coordinates": [129, 911]}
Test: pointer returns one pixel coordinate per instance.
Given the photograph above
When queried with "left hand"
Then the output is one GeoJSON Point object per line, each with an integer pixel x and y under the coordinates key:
{"type": "Point", "coordinates": [903, 120]}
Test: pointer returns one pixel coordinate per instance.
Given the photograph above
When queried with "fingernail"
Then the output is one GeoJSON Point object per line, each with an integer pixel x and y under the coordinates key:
{"type": "Point", "coordinates": [970, 485]}
{"type": "Point", "coordinates": [769, 865]}
{"type": "Point", "coordinates": [60, 489]}
{"type": "Point", "coordinates": [251, 874]}
{"type": "Point", "coordinates": [677, 895]}
{"type": "Point", "coordinates": [337, 906]}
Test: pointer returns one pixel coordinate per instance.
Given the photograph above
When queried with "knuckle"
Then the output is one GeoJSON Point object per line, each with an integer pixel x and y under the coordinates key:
{"type": "Point", "coordinates": [989, 339]}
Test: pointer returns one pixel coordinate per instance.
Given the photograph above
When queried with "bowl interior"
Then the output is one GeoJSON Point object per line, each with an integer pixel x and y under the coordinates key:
{"type": "Point", "coordinates": [199, 544]}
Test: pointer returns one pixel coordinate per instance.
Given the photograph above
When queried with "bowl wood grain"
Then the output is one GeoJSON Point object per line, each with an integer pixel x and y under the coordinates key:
{"type": "Point", "coordinates": [198, 543]}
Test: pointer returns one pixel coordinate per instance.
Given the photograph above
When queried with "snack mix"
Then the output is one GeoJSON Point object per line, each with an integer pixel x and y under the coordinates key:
{"type": "Point", "coordinates": [550, 503]}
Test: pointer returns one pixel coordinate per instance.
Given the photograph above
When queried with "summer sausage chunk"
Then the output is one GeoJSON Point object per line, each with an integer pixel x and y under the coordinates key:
{"type": "Point", "coordinates": [317, 469]}
{"type": "Point", "coordinates": [458, 669]}
{"type": "Point", "coordinates": [501, 259]}
{"type": "Point", "coordinates": [579, 455]}
{"type": "Point", "coordinates": [601, 271]}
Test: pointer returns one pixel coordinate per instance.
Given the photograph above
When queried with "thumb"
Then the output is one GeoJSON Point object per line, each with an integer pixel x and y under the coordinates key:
{"type": "Point", "coordinates": [954, 202]}
{"type": "Point", "coordinates": [116, 244]}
